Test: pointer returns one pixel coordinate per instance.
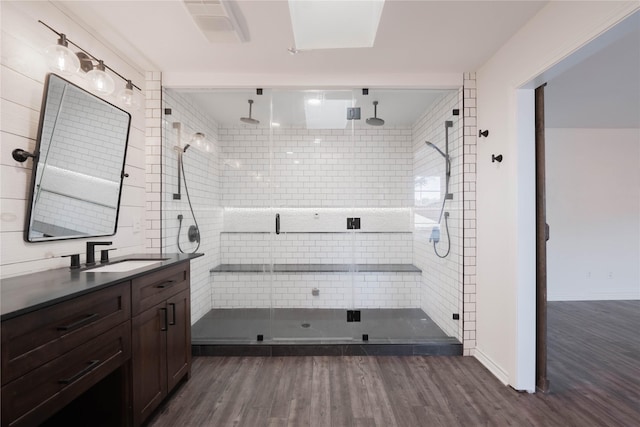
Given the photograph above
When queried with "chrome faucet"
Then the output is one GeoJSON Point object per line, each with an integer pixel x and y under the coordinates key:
{"type": "Point", "coordinates": [91, 251]}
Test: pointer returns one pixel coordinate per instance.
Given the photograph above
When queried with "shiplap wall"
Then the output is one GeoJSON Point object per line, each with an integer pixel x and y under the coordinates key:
{"type": "Point", "coordinates": [23, 71]}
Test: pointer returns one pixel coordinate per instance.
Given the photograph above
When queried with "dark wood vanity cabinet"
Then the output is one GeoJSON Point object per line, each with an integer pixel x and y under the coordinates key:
{"type": "Point", "coordinates": [53, 355]}
{"type": "Point", "coordinates": [133, 336]}
{"type": "Point", "coordinates": [161, 337]}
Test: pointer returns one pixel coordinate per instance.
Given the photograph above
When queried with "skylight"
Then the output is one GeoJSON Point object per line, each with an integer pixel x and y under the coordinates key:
{"type": "Point", "coordinates": [330, 24]}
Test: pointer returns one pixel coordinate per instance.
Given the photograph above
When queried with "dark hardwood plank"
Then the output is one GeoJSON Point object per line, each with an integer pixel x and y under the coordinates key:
{"type": "Point", "coordinates": [594, 368]}
{"type": "Point", "coordinates": [300, 393]}
{"type": "Point", "coordinates": [320, 392]}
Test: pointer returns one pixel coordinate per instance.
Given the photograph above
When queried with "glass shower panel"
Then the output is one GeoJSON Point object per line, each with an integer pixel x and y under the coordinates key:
{"type": "Point", "coordinates": [438, 214]}
{"type": "Point", "coordinates": [404, 290]}
{"type": "Point", "coordinates": [231, 190]}
{"type": "Point", "coordinates": [312, 161]}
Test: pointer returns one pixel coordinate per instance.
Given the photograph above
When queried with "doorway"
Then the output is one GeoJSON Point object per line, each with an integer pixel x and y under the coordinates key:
{"type": "Point", "coordinates": [588, 190]}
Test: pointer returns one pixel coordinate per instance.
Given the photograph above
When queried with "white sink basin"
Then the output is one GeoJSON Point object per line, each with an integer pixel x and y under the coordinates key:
{"type": "Point", "coordinates": [120, 267]}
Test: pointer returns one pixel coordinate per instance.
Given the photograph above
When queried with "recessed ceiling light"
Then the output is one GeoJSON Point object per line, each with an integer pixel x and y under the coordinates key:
{"type": "Point", "coordinates": [296, 162]}
{"type": "Point", "coordinates": [289, 152]}
{"type": "Point", "coordinates": [275, 124]}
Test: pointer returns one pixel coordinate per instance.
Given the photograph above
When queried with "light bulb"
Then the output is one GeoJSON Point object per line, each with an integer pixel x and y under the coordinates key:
{"type": "Point", "coordinates": [100, 80]}
{"type": "Point", "coordinates": [62, 59]}
{"type": "Point", "coordinates": [129, 97]}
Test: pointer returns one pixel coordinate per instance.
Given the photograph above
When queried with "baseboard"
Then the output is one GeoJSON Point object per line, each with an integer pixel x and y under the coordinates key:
{"type": "Point", "coordinates": [492, 366]}
{"type": "Point", "coordinates": [595, 296]}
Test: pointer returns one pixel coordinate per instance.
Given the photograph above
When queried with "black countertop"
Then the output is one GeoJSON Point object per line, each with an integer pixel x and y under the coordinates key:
{"type": "Point", "coordinates": [30, 292]}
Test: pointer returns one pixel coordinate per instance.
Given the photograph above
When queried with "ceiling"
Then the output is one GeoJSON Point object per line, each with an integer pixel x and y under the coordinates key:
{"type": "Point", "coordinates": [414, 37]}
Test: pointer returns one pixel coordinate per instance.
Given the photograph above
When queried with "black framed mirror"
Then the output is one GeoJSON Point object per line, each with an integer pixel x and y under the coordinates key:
{"type": "Point", "coordinates": [76, 182]}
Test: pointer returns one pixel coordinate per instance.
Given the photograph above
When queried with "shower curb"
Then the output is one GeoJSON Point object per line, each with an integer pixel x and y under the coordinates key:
{"type": "Point", "coordinates": [278, 350]}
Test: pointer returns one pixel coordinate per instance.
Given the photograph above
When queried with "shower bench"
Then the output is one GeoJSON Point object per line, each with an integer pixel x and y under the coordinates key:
{"type": "Point", "coordinates": [315, 285]}
{"type": "Point", "coordinates": [316, 268]}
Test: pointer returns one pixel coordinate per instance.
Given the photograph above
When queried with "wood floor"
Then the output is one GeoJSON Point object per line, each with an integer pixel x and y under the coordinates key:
{"type": "Point", "coordinates": [594, 366]}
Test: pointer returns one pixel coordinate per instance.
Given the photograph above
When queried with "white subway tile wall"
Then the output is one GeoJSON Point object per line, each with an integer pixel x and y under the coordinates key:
{"type": "Point", "coordinates": [361, 290]}
{"type": "Point", "coordinates": [77, 216]}
{"type": "Point", "coordinates": [82, 130]}
{"type": "Point", "coordinates": [441, 291]}
{"type": "Point", "coordinates": [469, 187]}
{"type": "Point", "coordinates": [316, 248]}
{"type": "Point", "coordinates": [202, 172]}
{"type": "Point", "coordinates": [153, 156]}
{"type": "Point", "coordinates": [316, 168]}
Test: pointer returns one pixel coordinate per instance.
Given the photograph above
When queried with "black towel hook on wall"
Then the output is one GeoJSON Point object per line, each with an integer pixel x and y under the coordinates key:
{"type": "Point", "coordinates": [20, 155]}
{"type": "Point", "coordinates": [497, 158]}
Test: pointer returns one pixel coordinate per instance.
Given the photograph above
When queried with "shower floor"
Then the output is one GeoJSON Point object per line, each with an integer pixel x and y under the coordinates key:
{"type": "Point", "coordinates": [319, 332]}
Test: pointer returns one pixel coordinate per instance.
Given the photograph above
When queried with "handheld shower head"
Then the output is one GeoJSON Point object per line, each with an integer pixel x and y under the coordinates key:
{"type": "Point", "coordinates": [375, 121]}
{"type": "Point", "coordinates": [250, 120]}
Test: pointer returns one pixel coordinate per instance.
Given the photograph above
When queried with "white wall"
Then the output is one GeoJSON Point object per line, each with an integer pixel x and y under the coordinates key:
{"type": "Point", "coordinates": [23, 71]}
{"type": "Point", "coordinates": [593, 210]}
{"type": "Point", "coordinates": [337, 290]}
{"type": "Point", "coordinates": [365, 167]}
{"type": "Point", "coordinates": [505, 191]}
{"type": "Point", "coordinates": [203, 178]}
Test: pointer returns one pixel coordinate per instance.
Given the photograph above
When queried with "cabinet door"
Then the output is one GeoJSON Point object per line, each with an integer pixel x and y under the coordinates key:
{"type": "Point", "coordinates": [149, 361]}
{"type": "Point", "coordinates": [178, 338]}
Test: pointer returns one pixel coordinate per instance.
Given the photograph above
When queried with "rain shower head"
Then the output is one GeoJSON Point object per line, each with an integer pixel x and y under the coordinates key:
{"type": "Point", "coordinates": [250, 120]}
{"type": "Point", "coordinates": [432, 145]}
{"type": "Point", "coordinates": [375, 121]}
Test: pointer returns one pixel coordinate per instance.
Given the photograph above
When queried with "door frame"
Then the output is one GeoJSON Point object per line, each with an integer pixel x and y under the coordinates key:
{"type": "Point", "coordinates": [542, 235]}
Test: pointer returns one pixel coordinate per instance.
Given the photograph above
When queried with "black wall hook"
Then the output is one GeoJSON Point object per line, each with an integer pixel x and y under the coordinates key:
{"type": "Point", "coordinates": [482, 133]}
{"type": "Point", "coordinates": [497, 158]}
{"type": "Point", "coordinates": [19, 155]}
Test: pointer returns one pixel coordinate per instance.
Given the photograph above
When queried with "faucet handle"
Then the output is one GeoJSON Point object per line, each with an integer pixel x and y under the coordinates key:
{"type": "Point", "coordinates": [104, 255]}
{"type": "Point", "coordinates": [75, 260]}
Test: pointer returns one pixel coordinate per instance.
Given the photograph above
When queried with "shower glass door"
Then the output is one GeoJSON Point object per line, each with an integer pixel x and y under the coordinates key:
{"type": "Point", "coordinates": [311, 195]}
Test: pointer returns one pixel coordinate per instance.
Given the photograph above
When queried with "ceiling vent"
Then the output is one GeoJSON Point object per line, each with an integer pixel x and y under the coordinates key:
{"type": "Point", "coordinates": [217, 20]}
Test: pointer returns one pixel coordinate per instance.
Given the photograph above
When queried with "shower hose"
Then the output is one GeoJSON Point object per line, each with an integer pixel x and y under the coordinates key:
{"type": "Point", "coordinates": [186, 190]}
{"type": "Point", "coordinates": [446, 226]}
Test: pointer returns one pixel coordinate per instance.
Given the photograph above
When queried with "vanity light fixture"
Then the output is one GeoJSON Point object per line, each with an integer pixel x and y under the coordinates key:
{"type": "Point", "coordinates": [129, 97]}
{"type": "Point", "coordinates": [100, 80]}
{"type": "Point", "coordinates": [63, 60]}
